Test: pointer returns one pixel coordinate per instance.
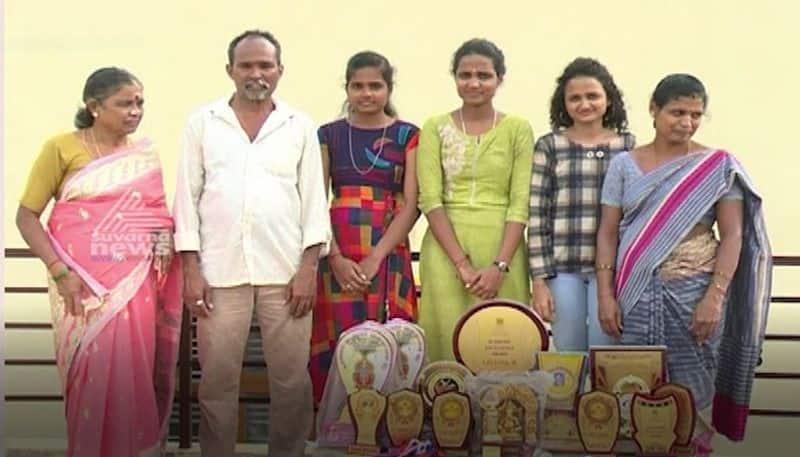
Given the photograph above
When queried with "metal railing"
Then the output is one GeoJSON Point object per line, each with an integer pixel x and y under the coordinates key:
{"type": "Point", "coordinates": [186, 362]}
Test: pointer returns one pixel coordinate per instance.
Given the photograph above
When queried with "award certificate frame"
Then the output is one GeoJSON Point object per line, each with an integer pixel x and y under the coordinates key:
{"type": "Point", "coordinates": [568, 370]}
{"type": "Point", "coordinates": [627, 369]}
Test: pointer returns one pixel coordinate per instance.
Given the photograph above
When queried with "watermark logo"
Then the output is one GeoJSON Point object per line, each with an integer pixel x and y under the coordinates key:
{"type": "Point", "coordinates": [129, 231]}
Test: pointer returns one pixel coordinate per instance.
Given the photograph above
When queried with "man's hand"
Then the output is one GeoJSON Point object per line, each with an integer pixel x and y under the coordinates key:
{"type": "Point", "coordinates": [301, 292]}
{"type": "Point", "coordinates": [196, 291]}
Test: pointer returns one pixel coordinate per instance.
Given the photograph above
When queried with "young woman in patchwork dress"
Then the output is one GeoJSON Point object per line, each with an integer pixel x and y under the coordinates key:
{"type": "Point", "coordinates": [366, 156]}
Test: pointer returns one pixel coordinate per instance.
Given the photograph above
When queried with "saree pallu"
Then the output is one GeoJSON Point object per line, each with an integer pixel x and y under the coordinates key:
{"type": "Point", "coordinates": [117, 360]}
{"type": "Point", "coordinates": [360, 216]}
{"type": "Point", "coordinates": [657, 299]}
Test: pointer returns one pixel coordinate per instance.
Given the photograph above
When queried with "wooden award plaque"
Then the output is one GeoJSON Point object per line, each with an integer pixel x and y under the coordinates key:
{"type": "Point", "coordinates": [654, 422]}
{"type": "Point", "coordinates": [598, 421]}
{"type": "Point", "coordinates": [367, 408]}
{"type": "Point", "coordinates": [452, 420]}
{"type": "Point", "coordinates": [499, 335]}
{"type": "Point", "coordinates": [405, 415]}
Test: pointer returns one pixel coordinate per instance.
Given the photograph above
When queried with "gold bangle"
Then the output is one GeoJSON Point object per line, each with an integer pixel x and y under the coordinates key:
{"type": "Point", "coordinates": [719, 287]}
{"type": "Point", "coordinates": [604, 266]}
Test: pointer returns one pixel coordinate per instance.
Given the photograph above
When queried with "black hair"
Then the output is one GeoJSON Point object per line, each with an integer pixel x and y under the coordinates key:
{"type": "Point", "coordinates": [372, 59]}
{"type": "Point", "coordinates": [101, 84]}
{"type": "Point", "coordinates": [678, 85]}
{"type": "Point", "coordinates": [250, 34]}
{"type": "Point", "coordinates": [615, 117]}
{"type": "Point", "coordinates": [480, 47]}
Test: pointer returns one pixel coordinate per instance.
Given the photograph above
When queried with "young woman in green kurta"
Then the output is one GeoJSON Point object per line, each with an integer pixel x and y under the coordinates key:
{"type": "Point", "coordinates": [474, 169]}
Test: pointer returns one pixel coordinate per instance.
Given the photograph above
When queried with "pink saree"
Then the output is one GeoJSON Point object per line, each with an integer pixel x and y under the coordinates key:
{"type": "Point", "coordinates": [117, 361]}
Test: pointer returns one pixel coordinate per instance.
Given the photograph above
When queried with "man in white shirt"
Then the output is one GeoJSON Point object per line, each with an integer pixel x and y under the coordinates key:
{"type": "Point", "coordinates": [251, 220]}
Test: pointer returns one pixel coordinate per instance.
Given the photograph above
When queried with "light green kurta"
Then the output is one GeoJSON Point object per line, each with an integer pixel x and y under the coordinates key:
{"type": "Point", "coordinates": [481, 187]}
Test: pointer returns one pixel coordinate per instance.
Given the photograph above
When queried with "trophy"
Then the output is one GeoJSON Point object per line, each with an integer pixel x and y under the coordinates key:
{"type": "Point", "coordinates": [489, 401]}
{"type": "Point", "coordinates": [366, 408]}
{"type": "Point", "coordinates": [441, 377]}
{"type": "Point", "coordinates": [654, 421]}
{"type": "Point", "coordinates": [598, 421]}
{"type": "Point", "coordinates": [526, 397]}
{"type": "Point", "coordinates": [411, 351]}
{"type": "Point", "coordinates": [452, 420]}
{"type": "Point", "coordinates": [687, 414]}
{"type": "Point", "coordinates": [404, 416]}
{"type": "Point", "coordinates": [363, 360]}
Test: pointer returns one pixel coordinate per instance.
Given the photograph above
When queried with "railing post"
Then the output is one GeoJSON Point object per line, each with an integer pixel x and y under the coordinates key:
{"type": "Point", "coordinates": [185, 382]}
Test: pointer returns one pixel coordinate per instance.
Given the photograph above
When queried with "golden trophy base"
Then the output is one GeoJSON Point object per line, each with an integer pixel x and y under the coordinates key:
{"type": "Point", "coordinates": [363, 450]}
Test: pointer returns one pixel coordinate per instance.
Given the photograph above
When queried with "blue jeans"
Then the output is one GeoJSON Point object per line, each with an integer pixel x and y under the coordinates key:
{"type": "Point", "coordinates": [575, 325]}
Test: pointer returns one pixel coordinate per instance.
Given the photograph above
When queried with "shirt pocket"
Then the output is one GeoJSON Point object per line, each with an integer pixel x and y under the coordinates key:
{"type": "Point", "coordinates": [279, 154]}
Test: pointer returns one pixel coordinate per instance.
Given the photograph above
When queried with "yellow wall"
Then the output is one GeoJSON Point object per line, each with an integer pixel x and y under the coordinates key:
{"type": "Point", "coordinates": [177, 48]}
{"type": "Point", "coordinates": [743, 51]}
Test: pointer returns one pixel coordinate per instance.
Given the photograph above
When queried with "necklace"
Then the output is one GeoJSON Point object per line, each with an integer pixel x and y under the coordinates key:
{"type": "Point", "coordinates": [85, 139]}
{"type": "Point", "coordinates": [464, 126]}
{"type": "Point", "coordinates": [377, 156]}
{"type": "Point", "coordinates": [89, 137]}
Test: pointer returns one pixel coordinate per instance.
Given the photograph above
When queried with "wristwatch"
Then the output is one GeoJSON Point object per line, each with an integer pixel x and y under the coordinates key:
{"type": "Point", "coordinates": [502, 266]}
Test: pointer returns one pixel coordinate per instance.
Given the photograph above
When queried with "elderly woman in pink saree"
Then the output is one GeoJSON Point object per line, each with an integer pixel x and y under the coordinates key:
{"type": "Point", "coordinates": [114, 285]}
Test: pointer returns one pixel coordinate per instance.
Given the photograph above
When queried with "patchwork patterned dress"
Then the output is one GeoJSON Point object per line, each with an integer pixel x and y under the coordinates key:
{"type": "Point", "coordinates": [367, 169]}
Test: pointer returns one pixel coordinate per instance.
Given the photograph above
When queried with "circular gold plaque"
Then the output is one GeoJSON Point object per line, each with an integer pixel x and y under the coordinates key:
{"type": "Point", "coordinates": [499, 335]}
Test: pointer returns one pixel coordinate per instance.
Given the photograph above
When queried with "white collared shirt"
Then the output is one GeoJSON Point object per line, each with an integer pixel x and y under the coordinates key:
{"type": "Point", "coordinates": [250, 209]}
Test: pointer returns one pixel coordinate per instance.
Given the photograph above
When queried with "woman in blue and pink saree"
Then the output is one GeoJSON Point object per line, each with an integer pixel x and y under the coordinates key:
{"type": "Point", "coordinates": [667, 280]}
